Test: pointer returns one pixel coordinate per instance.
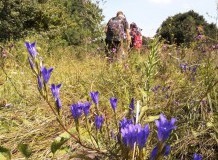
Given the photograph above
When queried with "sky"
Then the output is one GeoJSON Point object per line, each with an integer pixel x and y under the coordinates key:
{"type": "Point", "coordinates": [149, 14]}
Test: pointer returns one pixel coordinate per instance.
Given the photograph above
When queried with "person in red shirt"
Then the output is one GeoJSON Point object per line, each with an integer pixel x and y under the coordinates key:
{"type": "Point", "coordinates": [136, 36]}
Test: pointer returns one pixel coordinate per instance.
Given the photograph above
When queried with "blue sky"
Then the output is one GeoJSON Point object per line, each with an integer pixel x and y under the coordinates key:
{"type": "Point", "coordinates": [149, 14]}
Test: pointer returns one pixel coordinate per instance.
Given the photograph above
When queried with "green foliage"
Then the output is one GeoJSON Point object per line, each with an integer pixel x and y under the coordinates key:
{"type": "Point", "coordinates": [74, 21]}
{"type": "Point", "coordinates": [87, 16]}
{"type": "Point", "coordinates": [18, 17]}
{"type": "Point", "coordinates": [5, 153]}
{"type": "Point", "coordinates": [192, 102]}
{"type": "Point", "coordinates": [181, 28]}
{"type": "Point", "coordinates": [56, 145]}
{"type": "Point", "coordinates": [25, 150]}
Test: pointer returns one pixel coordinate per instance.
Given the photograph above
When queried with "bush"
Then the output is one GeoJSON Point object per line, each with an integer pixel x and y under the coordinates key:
{"type": "Point", "coordinates": [182, 28]}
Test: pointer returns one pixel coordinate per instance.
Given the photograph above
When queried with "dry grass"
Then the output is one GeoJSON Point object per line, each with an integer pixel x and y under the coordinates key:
{"type": "Point", "coordinates": [27, 118]}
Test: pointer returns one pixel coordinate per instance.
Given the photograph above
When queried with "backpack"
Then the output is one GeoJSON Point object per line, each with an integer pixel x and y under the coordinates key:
{"type": "Point", "coordinates": [136, 39]}
{"type": "Point", "coordinates": [115, 31]}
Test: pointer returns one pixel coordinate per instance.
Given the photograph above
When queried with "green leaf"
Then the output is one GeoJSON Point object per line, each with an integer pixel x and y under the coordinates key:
{"type": "Point", "coordinates": [60, 140]}
{"type": "Point", "coordinates": [25, 150]}
{"type": "Point", "coordinates": [5, 153]}
{"type": "Point", "coordinates": [151, 118]}
{"type": "Point", "coordinates": [56, 145]}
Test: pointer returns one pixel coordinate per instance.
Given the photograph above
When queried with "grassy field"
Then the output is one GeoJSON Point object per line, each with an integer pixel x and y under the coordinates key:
{"type": "Point", "coordinates": [179, 82]}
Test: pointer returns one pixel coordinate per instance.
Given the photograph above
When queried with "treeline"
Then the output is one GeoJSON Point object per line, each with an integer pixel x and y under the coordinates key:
{"type": "Point", "coordinates": [73, 21]}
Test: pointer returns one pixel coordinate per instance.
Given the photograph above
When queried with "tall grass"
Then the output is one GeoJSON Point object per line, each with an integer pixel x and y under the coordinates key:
{"type": "Point", "coordinates": [155, 77]}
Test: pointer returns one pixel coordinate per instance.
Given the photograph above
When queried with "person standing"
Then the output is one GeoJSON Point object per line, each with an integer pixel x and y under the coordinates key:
{"type": "Point", "coordinates": [116, 30]}
{"type": "Point", "coordinates": [136, 36]}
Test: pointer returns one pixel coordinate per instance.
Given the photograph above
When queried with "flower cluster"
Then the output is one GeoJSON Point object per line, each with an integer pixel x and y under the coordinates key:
{"type": "Point", "coordinates": [129, 133]}
{"type": "Point", "coordinates": [134, 134]}
{"type": "Point", "coordinates": [163, 89]}
{"type": "Point", "coordinates": [185, 68]}
{"type": "Point", "coordinates": [78, 108]}
{"type": "Point", "coordinates": [164, 127]}
{"type": "Point", "coordinates": [189, 69]}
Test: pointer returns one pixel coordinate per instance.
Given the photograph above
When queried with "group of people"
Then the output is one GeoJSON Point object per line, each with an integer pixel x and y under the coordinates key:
{"type": "Point", "coordinates": [121, 36]}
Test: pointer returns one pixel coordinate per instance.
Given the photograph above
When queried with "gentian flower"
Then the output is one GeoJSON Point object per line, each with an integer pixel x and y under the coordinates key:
{"type": "Point", "coordinates": [167, 150]}
{"type": "Point", "coordinates": [94, 96]}
{"type": "Point", "coordinates": [31, 63]}
{"type": "Point", "coordinates": [39, 82]}
{"type": "Point", "coordinates": [197, 157]}
{"type": "Point", "coordinates": [164, 127]}
{"type": "Point", "coordinates": [86, 107]}
{"type": "Point", "coordinates": [98, 121]}
{"type": "Point", "coordinates": [125, 122]}
{"type": "Point", "coordinates": [46, 73]}
{"type": "Point", "coordinates": [58, 103]}
{"type": "Point", "coordinates": [55, 90]}
{"type": "Point", "coordinates": [113, 102]}
{"type": "Point", "coordinates": [129, 135]}
{"type": "Point", "coordinates": [154, 153]}
{"type": "Point", "coordinates": [76, 111]}
{"type": "Point", "coordinates": [142, 136]}
{"type": "Point", "coordinates": [31, 49]}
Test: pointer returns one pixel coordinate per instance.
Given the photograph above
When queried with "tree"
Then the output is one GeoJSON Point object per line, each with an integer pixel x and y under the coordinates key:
{"type": "Point", "coordinates": [87, 16]}
{"type": "Point", "coordinates": [182, 28]}
{"type": "Point", "coordinates": [19, 16]}
{"type": "Point", "coordinates": [70, 20]}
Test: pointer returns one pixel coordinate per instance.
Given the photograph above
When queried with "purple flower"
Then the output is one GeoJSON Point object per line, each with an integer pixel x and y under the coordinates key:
{"type": "Point", "coordinates": [194, 69]}
{"type": "Point", "coordinates": [55, 90]}
{"type": "Point", "coordinates": [125, 122]}
{"type": "Point", "coordinates": [155, 89]}
{"type": "Point", "coordinates": [154, 153]}
{"type": "Point", "coordinates": [183, 67]}
{"type": "Point", "coordinates": [98, 121]}
{"type": "Point", "coordinates": [113, 102]}
{"type": "Point", "coordinates": [114, 50]}
{"type": "Point", "coordinates": [40, 85]}
{"type": "Point", "coordinates": [164, 127]}
{"type": "Point", "coordinates": [31, 49]}
{"type": "Point", "coordinates": [58, 103]}
{"type": "Point", "coordinates": [199, 37]}
{"type": "Point", "coordinates": [197, 157]}
{"type": "Point", "coordinates": [142, 136]}
{"type": "Point", "coordinates": [86, 107]}
{"type": "Point", "coordinates": [131, 105]}
{"type": "Point", "coordinates": [167, 150]}
{"type": "Point", "coordinates": [129, 135]}
{"type": "Point", "coordinates": [76, 110]}
{"type": "Point", "coordinates": [46, 73]}
{"type": "Point", "coordinates": [94, 96]}
{"type": "Point", "coordinates": [31, 63]}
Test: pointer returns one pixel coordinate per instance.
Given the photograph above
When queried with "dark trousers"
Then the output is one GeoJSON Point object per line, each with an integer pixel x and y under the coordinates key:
{"type": "Point", "coordinates": [113, 49]}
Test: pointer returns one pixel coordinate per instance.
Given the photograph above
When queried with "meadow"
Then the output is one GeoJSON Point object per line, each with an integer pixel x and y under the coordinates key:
{"type": "Point", "coordinates": [178, 82]}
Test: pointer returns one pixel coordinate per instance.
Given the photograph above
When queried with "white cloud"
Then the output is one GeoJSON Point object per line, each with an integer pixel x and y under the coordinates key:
{"type": "Point", "coordinates": [161, 1]}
